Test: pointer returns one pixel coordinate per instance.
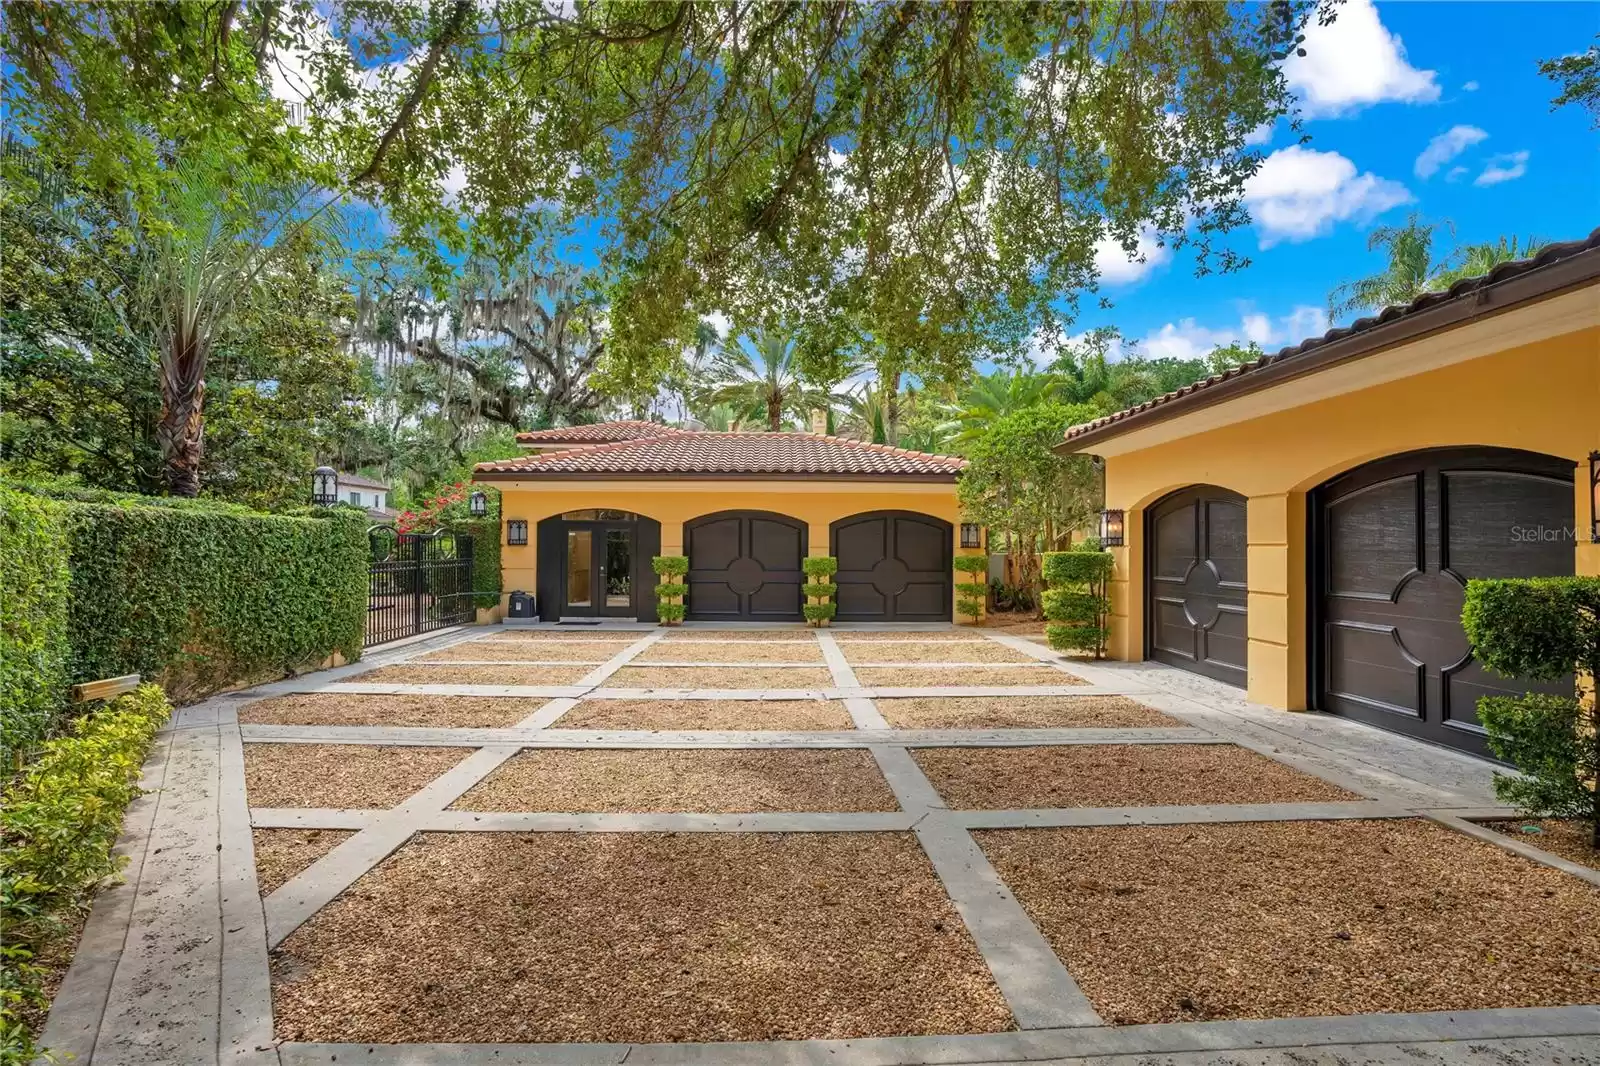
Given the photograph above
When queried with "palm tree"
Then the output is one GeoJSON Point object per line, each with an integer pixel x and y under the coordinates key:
{"type": "Point", "coordinates": [1411, 270]}
{"type": "Point", "coordinates": [867, 414]}
{"type": "Point", "coordinates": [991, 396]}
{"type": "Point", "coordinates": [201, 249]}
{"type": "Point", "coordinates": [761, 379]}
{"type": "Point", "coordinates": [1475, 260]}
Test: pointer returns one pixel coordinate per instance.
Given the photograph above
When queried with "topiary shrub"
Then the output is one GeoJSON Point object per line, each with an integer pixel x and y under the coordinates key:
{"type": "Point", "coordinates": [670, 608]}
{"type": "Point", "coordinates": [1541, 629]}
{"type": "Point", "coordinates": [1075, 601]}
{"type": "Point", "coordinates": [819, 593]}
{"type": "Point", "coordinates": [34, 607]}
{"type": "Point", "coordinates": [58, 822]}
{"type": "Point", "coordinates": [972, 595]}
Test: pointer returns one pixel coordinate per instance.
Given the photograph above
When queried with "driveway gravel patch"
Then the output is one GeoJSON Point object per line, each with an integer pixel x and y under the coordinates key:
{"type": "Point", "coordinates": [787, 715]}
{"type": "Point", "coordinates": [925, 676]}
{"type": "Point", "coordinates": [1116, 775]}
{"type": "Point", "coordinates": [567, 651]}
{"type": "Point", "coordinates": [710, 780]}
{"type": "Point", "coordinates": [648, 937]}
{"type": "Point", "coordinates": [427, 712]}
{"type": "Point", "coordinates": [472, 675]}
{"type": "Point", "coordinates": [579, 633]}
{"type": "Point", "coordinates": [281, 854]}
{"type": "Point", "coordinates": [676, 635]}
{"type": "Point", "coordinates": [351, 776]}
{"type": "Point", "coordinates": [1301, 919]}
{"type": "Point", "coordinates": [718, 677]}
{"type": "Point", "coordinates": [945, 651]}
{"type": "Point", "coordinates": [850, 636]}
{"type": "Point", "coordinates": [1567, 837]}
{"type": "Point", "coordinates": [1021, 712]}
{"type": "Point", "coordinates": [743, 651]}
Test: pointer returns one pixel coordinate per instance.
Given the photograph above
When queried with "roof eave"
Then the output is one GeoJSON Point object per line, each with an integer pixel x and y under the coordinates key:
{"type": "Point", "coordinates": [672, 475]}
{"type": "Point", "coordinates": [1471, 306]}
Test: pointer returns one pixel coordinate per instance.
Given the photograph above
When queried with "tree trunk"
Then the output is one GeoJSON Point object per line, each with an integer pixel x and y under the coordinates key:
{"type": "Point", "coordinates": [182, 427]}
{"type": "Point", "coordinates": [774, 412]}
{"type": "Point", "coordinates": [892, 405]}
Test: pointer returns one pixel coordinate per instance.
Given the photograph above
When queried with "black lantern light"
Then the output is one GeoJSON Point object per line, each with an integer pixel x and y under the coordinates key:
{"type": "Point", "coordinates": [517, 531]}
{"type": "Point", "coordinates": [1594, 497]}
{"type": "Point", "coordinates": [1111, 527]}
{"type": "Point", "coordinates": [324, 486]}
{"type": "Point", "coordinates": [478, 504]}
{"type": "Point", "coordinates": [971, 535]}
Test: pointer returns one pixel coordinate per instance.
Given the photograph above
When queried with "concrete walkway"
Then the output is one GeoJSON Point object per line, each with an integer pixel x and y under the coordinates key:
{"type": "Point", "coordinates": [173, 967]}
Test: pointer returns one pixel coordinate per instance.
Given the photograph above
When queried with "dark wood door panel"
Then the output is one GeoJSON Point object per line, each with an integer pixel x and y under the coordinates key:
{"type": "Point", "coordinates": [894, 566]}
{"type": "Point", "coordinates": [1395, 543]}
{"type": "Point", "coordinates": [1196, 582]}
{"type": "Point", "coordinates": [745, 566]}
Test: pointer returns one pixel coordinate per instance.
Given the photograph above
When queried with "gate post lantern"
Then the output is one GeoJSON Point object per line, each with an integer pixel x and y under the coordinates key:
{"type": "Point", "coordinates": [324, 486]}
{"type": "Point", "coordinates": [1111, 529]}
{"type": "Point", "coordinates": [478, 504]}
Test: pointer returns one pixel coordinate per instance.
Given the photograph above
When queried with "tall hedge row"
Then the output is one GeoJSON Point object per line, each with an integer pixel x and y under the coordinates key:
{"type": "Point", "coordinates": [33, 619]}
{"type": "Point", "coordinates": [485, 534]}
{"type": "Point", "coordinates": [201, 596]}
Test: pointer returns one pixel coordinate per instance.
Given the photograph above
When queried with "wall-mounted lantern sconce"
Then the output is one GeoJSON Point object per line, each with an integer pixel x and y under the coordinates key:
{"type": "Point", "coordinates": [324, 486]}
{"type": "Point", "coordinates": [517, 531]}
{"type": "Point", "coordinates": [1111, 529]}
{"type": "Point", "coordinates": [1594, 497]}
{"type": "Point", "coordinates": [478, 504]}
{"type": "Point", "coordinates": [971, 535]}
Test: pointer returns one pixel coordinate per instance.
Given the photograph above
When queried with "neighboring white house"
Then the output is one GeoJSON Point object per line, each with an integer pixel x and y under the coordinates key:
{"type": "Point", "coordinates": [366, 492]}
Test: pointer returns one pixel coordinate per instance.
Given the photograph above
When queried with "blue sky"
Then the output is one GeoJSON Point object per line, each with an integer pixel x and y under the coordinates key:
{"type": "Point", "coordinates": [1378, 87]}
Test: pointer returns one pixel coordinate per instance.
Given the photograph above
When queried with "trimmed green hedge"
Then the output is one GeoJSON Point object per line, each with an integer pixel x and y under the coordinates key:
{"type": "Point", "coordinates": [34, 589]}
{"type": "Point", "coordinates": [1076, 602]}
{"type": "Point", "coordinates": [820, 565]}
{"type": "Point", "coordinates": [485, 534]}
{"type": "Point", "coordinates": [818, 612]}
{"type": "Point", "coordinates": [202, 596]}
{"type": "Point", "coordinates": [58, 823]}
{"type": "Point", "coordinates": [972, 564]}
{"type": "Point", "coordinates": [670, 607]}
{"type": "Point", "coordinates": [821, 593]}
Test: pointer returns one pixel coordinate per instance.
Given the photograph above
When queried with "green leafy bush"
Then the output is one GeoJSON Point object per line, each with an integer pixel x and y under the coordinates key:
{"type": "Point", "coordinates": [669, 593]}
{"type": "Point", "coordinates": [969, 607]}
{"type": "Point", "coordinates": [485, 534]}
{"type": "Point", "coordinates": [821, 589]}
{"type": "Point", "coordinates": [1076, 602]}
{"type": "Point", "coordinates": [972, 564]}
{"type": "Point", "coordinates": [33, 620]}
{"type": "Point", "coordinates": [820, 565]}
{"type": "Point", "coordinates": [818, 612]}
{"type": "Point", "coordinates": [59, 821]}
{"type": "Point", "coordinates": [1541, 629]}
{"type": "Point", "coordinates": [972, 589]}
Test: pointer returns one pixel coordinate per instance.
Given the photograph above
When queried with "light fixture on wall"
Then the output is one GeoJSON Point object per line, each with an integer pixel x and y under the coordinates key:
{"type": "Point", "coordinates": [517, 531]}
{"type": "Point", "coordinates": [478, 504]}
{"type": "Point", "coordinates": [971, 535]}
{"type": "Point", "coordinates": [1594, 496]}
{"type": "Point", "coordinates": [1111, 529]}
{"type": "Point", "coordinates": [324, 486]}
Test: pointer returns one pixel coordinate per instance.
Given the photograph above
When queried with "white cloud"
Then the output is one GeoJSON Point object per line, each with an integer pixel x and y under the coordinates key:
{"type": "Point", "coordinates": [1188, 339]}
{"type": "Point", "coordinates": [1445, 147]}
{"type": "Point", "coordinates": [1262, 134]}
{"type": "Point", "coordinates": [1507, 167]}
{"type": "Point", "coordinates": [1455, 173]}
{"type": "Point", "coordinates": [719, 322]}
{"type": "Point", "coordinates": [1470, 87]}
{"type": "Point", "coordinates": [455, 179]}
{"type": "Point", "coordinates": [1116, 267]}
{"type": "Point", "coordinates": [1300, 193]}
{"type": "Point", "coordinates": [1354, 62]}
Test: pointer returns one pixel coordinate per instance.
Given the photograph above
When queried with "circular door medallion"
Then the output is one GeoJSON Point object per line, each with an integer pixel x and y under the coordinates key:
{"type": "Point", "coordinates": [1200, 590]}
{"type": "Point", "coordinates": [890, 576]}
{"type": "Point", "coordinates": [745, 575]}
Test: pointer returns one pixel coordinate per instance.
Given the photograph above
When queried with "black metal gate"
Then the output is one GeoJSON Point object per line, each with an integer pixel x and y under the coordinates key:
{"type": "Point", "coordinates": [418, 582]}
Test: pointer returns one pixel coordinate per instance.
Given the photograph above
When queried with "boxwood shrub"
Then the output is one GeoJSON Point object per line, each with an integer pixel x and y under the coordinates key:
{"type": "Point", "coordinates": [34, 588]}
{"type": "Point", "coordinates": [1076, 602]}
{"type": "Point", "coordinates": [670, 590]}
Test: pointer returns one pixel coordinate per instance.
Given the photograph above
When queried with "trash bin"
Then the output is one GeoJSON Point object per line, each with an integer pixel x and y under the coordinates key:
{"type": "Point", "coordinates": [521, 606]}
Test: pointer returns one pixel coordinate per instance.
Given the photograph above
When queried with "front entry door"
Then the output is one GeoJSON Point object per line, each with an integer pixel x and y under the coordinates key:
{"type": "Point", "coordinates": [599, 571]}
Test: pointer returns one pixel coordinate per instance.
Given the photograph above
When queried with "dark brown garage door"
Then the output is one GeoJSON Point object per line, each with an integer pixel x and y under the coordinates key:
{"type": "Point", "coordinates": [894, 566]}
{"type": "Point", "coordinates": [1195, 558]}
{"type": "Point", "coordinates": [1397, 541]}
{"type": "Point", "coordinates": [745, 566]}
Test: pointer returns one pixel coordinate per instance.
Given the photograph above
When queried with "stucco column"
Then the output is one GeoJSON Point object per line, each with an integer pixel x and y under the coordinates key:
{"type": "Point", "coordinates": [672, 538]}
{"type": "Point", "coordinates": [1276, 554]}
{"type": "Point", "coordinates": [817, 539]}
{"type": "Point", "coordinates": [1126, 590]}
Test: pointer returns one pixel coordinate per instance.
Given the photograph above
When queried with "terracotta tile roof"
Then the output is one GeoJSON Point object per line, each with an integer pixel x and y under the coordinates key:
{"type": "Point", "coordinates": [693, 454]}
{"type": "Point", "coordinates": [597, 433]}
{"type": "Point", "coordinates": [1470, 296]}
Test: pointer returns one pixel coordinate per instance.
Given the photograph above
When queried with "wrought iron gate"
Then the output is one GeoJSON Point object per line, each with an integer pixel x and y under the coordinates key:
{"type": "Point", "coordinates": [418, 582]}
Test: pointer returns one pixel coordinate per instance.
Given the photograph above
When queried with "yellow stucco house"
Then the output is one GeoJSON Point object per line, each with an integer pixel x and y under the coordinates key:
{"type": "Point", "coordinates": [1303, 526]}
{"type": "Point", "coordinates": [587, 509]}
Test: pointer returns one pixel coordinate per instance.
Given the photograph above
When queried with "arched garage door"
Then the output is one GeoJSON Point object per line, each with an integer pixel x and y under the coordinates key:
{"type": "Point", "coordinates": [894, 566]}
{"type": "Point", "coordinates": [1195, 582]}
{"type": "Point", "coordinates": [744, 566]}
{"type": "Point", "coordinates": [1395, 542]}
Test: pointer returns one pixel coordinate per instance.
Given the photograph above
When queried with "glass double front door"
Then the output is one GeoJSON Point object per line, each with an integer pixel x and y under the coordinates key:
{"type": "Point", "coordinates": [599, 577]}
